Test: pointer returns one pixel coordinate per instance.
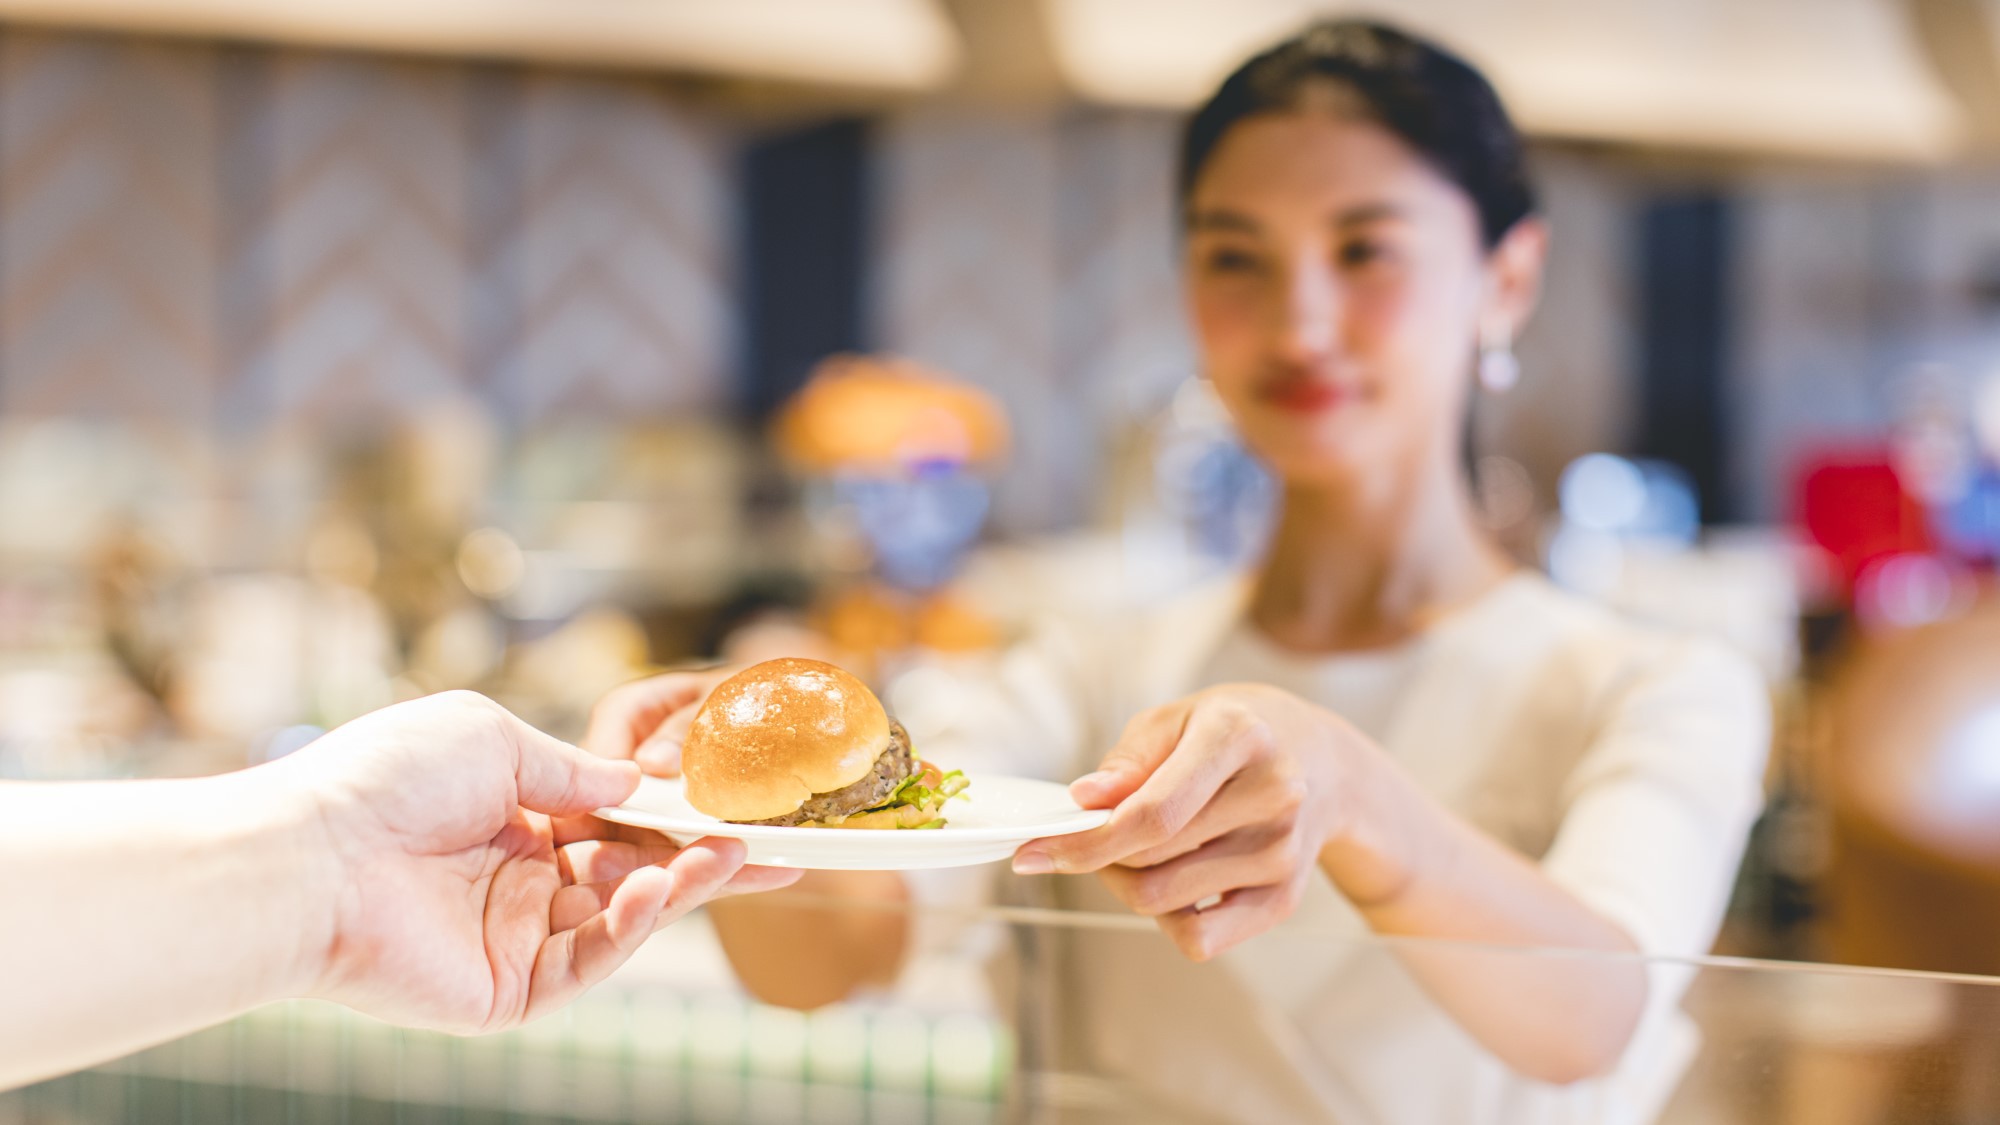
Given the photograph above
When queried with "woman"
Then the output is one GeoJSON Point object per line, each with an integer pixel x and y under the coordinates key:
{"type": "Point", "coordinates": [1388, 726]}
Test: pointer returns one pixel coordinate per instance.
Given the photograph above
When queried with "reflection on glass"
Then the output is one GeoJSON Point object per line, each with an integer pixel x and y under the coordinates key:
{"type": "Point", "coordinates": [1765, 1043]}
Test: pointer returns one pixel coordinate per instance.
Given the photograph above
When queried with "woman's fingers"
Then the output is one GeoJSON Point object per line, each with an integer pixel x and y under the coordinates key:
{"type": "Point", "coordinates": [1251, 857]}
{"type": "Point", "coordinates": [1251, 797]}
{"type": "Point", "coordinates": [1240, 916]}
{"type": "Point", "coordinates": [660, 754]}
{"type": "Point", "coordinates": [1141, 747]}
{"type": "Point", "coordinates": [1216, 742]}
{"type": "Point", "coordinates": [627, 716]}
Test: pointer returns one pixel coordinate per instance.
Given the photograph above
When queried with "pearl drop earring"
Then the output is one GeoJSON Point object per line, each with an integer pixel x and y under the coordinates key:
{"type": "Point", "coordinates": [1498, 369]}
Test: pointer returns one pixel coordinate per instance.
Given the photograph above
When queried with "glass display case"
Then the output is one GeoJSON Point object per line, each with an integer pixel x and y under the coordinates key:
{"type": "Point", "coordinates": [671, 1039]}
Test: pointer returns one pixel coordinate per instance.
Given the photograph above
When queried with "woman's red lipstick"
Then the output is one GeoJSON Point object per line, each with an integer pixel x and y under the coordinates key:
{"type": "Point", "coordinates": [1305, 396]}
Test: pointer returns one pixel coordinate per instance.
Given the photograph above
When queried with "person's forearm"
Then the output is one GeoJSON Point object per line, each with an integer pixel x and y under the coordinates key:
{"type": "Point", "coordinates": [798, 948]}
{"type": "Point", "coordinates": [1414, 869]}
{"type": "Point", "coordinates": [138, 911]}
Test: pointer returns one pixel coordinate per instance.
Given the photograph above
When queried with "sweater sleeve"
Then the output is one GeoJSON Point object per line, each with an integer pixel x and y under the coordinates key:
{"type": "Point", "coordinates": [1657, 810]}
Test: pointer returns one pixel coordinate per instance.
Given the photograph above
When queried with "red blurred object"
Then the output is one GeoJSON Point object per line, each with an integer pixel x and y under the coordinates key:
{"type": "Point", "coordinates": [1854, 506]}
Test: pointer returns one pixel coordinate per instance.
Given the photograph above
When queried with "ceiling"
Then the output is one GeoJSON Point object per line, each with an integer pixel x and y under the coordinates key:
{"type": "Point", "coordinates": [1839, 78]}
{"type": "Point", "coordinates": [1872, 80]}
{"type": "Point", "coordinates": [871, 44]}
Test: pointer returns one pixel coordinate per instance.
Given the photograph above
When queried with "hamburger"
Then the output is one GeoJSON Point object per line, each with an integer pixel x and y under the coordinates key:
{"type": "Point", "coordinates": [801, 743]}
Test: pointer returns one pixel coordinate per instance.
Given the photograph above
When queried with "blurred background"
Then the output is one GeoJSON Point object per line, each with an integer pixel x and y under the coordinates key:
{"type": "Point", "coordinates": [355, 351]}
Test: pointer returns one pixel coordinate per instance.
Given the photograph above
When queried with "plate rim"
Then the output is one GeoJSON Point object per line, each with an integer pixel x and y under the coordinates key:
{"type": "Point", "coordinates": [1085, 820]}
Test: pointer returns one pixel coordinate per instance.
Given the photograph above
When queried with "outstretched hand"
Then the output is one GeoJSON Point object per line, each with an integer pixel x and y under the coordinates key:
{"type": "Point", "coordinates": [473, 890]}
{"type": "Point", "coordinates": [1222, 803]}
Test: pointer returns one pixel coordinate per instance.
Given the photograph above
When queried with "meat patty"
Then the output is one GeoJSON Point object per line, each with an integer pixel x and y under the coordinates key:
{"type": "Point", "coordinates": [895, 765]}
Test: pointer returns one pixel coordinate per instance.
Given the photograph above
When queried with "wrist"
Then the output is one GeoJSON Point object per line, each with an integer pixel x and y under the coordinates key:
{"type": "Point", "coordinates": [1373, 855]}
{"type": "Point", "coordinates": [274, 820]}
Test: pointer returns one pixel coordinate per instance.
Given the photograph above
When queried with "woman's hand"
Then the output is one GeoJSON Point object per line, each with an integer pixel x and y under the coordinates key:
{"type": "Point", "coordinates": [647, 720]}
{"type": "Point", "coordinates": [1224, 803]}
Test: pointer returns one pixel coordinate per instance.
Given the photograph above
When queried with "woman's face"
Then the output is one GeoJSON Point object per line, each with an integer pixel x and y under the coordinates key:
{"type": "Point", "coordinates": [1337, 285]}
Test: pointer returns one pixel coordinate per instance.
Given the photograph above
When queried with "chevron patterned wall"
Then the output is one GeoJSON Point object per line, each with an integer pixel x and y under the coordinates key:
{"type": "Point", "coordinates": [244, 238]}
{"type": "Point", "coordinates": [252, 240]}
{"type": "Point", "coordinates": [352, 241]}
{"type": "Point", "coordinates": [610, 263]}
{"type": "Point", "coordinates": [1035, 255]}
{"type": "Point", "coordinates": [108, 227]}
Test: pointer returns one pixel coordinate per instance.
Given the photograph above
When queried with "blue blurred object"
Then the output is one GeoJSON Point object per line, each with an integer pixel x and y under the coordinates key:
{"type": "Point", "coordinates": [1969, 526]}
{"type": "Point", "coordinates": [1227, 501]}
{"type": "Point", "coordinates": [1645, 499]}
{"type": "Point", "coordinates": [1609, 502]}
{"type": "Point", "coordinates": [921, 524]}
{"type": "Point", "coordinates": [1208, 481]}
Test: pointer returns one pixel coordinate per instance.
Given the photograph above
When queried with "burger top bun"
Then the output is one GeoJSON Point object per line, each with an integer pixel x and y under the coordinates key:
{"type": "Point", "coordinates": [778, 732]}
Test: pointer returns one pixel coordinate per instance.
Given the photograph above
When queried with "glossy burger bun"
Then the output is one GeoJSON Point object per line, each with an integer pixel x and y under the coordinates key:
{"type": "Point", "coordinates": [775, 734]}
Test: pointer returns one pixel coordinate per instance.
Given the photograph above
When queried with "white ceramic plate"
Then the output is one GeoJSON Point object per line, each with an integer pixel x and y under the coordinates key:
{"type": "Point", "coordinates": [1003, 814]}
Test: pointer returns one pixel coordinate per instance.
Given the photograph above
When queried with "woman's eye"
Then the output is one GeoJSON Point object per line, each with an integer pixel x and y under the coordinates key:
{"type": "Point", "coordinates": [1231, 261]}
{"type": "Point", "coordinates": [1356, 254]}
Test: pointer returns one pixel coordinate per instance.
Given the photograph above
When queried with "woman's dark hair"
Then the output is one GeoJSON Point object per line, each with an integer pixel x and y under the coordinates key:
{"type": "Point", "coordinates": [1432, 99]}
